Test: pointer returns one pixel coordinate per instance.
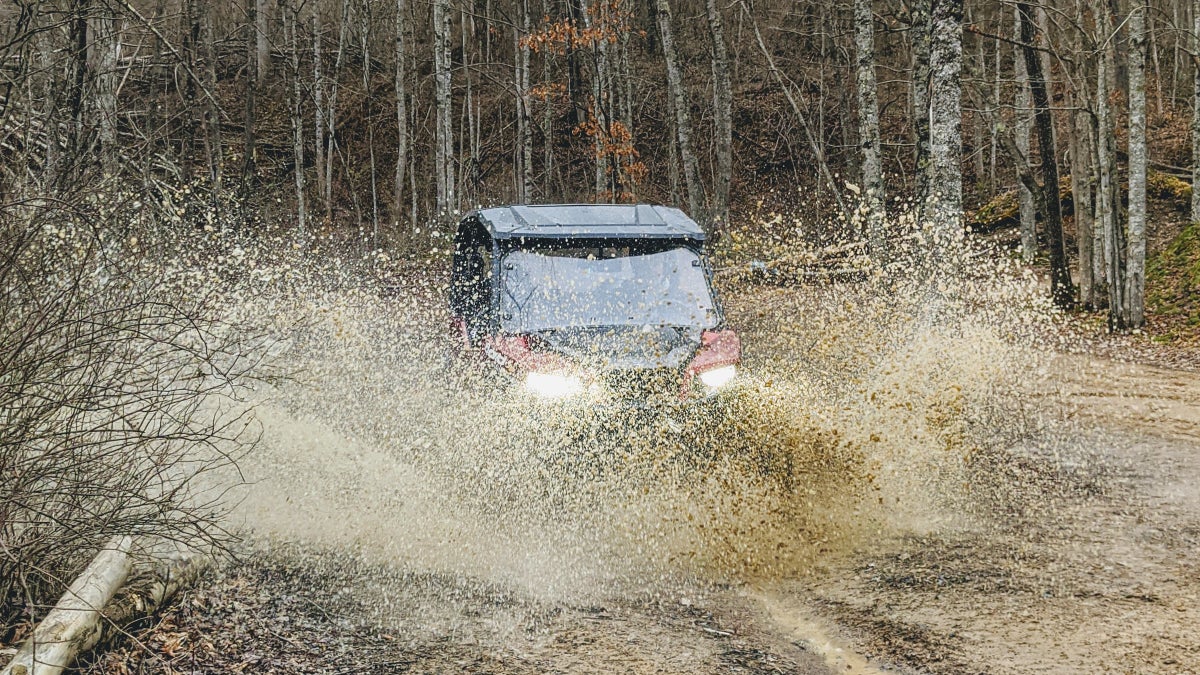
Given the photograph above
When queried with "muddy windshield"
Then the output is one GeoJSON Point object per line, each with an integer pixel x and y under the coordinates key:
{"type": "Point", "coordinates": [604, 286]}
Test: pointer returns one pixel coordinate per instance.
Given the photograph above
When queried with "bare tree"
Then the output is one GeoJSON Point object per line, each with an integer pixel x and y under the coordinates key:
{"type": "Point", "coordinates": [945, 120]}
{"type": "Point", "coordinates": [1024, 126]}
{"type": "Point", "coordinates": [1060, 273]}
{"type": "Point", "coordinates": [1083, 173]}
{"type": "Point", "coordinates": [291, 25]}
{"type": "Point", "coordinates": [868, 124]}
{"type": "Point", "coordinates": [262, 46]}
{"type": "Point", "coordinates": [790, 94]}
{"type": "Point", "coordinates": [212, 113]}
{"type": "Point", "coordinates": [331, 141]}
{"type": "Point", "coordinates": [921, 36]}
{"type": "Point", "coordinates": [106, 47]}
{"type": "Point", "coordinates": [110, 397]}
{"type": "Point", "coordinates": [1108, 199]}
{"type": "Point", "coordinates": [1133, 312]}
{"type": "Point", "coordinates": [1082, 185]}
{"type": "Point", "coordinates": [318, 89]}
{"type": "Point", "coordinates": [401, 83]}
{"type": "Point", "coordinates": [364, 16]}
{"type": "Point", "coordinates": [680, 106]}
{"type": "Point", "coordinates": [444, 141]}
{"type": "Point", "coordinates": [249, 151]}
{"type": "Point", "coordinates": [722, 115]}
{"type": "Point", "coordinates": [524, 123]}
{"type": "Point", "coordinates": [1195, 43]}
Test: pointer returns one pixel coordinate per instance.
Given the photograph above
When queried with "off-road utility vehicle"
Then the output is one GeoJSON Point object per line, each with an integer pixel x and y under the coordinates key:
{"type": "Point", "coordinates": [597, 303]}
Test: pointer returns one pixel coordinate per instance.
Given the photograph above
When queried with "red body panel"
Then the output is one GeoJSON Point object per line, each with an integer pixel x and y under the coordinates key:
{"type": "Point", "coordinates": [717, 348]}
{"type": "Point", "coordinates": [516, 354]}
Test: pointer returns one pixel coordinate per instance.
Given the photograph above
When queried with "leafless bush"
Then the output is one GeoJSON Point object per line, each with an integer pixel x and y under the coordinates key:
{"type": "Point", "coordinates": [119, 389]}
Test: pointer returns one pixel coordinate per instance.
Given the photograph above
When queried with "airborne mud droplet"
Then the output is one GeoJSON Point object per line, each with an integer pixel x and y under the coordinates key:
{"type": "Point", "coordinates": [862, 404]}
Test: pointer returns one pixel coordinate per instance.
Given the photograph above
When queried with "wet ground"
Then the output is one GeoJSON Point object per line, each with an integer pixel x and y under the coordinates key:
{"type": "Point", "coordinates": [1092, 566]}
{"type": "Point", "coordinates": [992, 528]}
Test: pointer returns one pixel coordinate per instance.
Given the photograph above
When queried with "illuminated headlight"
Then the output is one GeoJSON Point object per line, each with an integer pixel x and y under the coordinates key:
{"type": "Point", "coordinates": [553, 386]}
{"type": "Point", "coordinates": [718, 377]}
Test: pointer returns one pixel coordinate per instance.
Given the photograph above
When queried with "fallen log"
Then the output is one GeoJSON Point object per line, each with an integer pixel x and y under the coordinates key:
{"type": "Point", "coordinates": [147, 591]}
{"type": "Point", "coordinates": [106, 597]}
{"type": "Point", "coordinates": [74, 623]}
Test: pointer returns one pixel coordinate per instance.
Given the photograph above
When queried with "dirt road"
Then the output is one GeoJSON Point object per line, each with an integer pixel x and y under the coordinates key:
{"type": "Point", "coordinates": [1087, 562]}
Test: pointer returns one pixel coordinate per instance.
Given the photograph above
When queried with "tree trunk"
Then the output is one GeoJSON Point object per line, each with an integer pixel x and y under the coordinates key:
{"type": "Point", "coordinates": [977, 118]}
{"type": "Point", "coordinates": [722, 116]}
{"type": "Point", "coordinates": [106, 47]}
{"type": "Point", "coordinates": [920, 100]}
{"type": "Point", "coordinates": [401, 115]}
{"type": "Point", "coordinates": [212, 114]}
{"type": "Point", "coordinates": [319, 107]}
{"type": "Point", "coordinates": [189, 29]}
{"type": "Point", "coordinates": [523, 111]}
{"type": "Point", "coordinates": [598, 109]}
{"type": "Point", "coordinates": [994, 144]}
{"type": "Point", "coordinates": [101, 604]}
{"type": "Point", "coordinates": [291, 18]}
{"type": "Point", "coordinates": [1133, 314]}
{"type": "Point", "coordinates": [262, 32]}
{"type": "Point", "coordinates": [250, 89]}
{"type": "Point", "coordinates": [365, 45]}
{"type": "Point", "coordinates": [679, 104]}
{"type": "Point", "coordinates": [1081, 195]}
{"type": "Point", "coordinates": [444, 142]}
{"type": "Point", "coordinates": [629, 183]}
{"type": "Point", "coordinates": [1061, 288]}
{"type": "Point", "coordinates": [1114, 236]}
{"type": "Point", "coordinates": [945, 120]}
{"type": "Point", "coordinates": [874, 198]}
{"type": "Point", "coordinates": [1195, 42]}
{"type": "Point", "coordinates": [1024, 126]}
{"type": "Point", "coordinates": [547, 120]}
{"type": "Point", "coordinates": [1083, 172]}
{"type": "Point", "coordinates": [331, 109]}
{"type": "Point", "coordinates": [49, 111]}
{"type": "Point", "coordinates": [578, 110]}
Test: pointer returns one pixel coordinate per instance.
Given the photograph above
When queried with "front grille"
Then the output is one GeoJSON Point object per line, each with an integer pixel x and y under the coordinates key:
{"type": "Point", "coordinates": [644, 385]}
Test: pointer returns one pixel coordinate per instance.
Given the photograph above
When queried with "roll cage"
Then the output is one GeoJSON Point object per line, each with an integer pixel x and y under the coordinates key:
{"type": "Point", "coordinates": [481, 243]}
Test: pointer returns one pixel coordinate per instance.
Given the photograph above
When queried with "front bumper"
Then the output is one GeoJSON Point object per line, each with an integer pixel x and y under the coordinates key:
{"type": "Point", "coordinates": [663, 391]}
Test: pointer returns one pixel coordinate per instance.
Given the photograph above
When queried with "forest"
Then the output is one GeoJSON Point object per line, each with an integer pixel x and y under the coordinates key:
{"type": "Point", "coordinates": [375, 122]}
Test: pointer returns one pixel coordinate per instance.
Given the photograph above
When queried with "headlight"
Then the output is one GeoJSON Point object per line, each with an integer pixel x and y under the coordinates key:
{"type": "Point", "coordinates": [553, 386]}
{"type": "Point", "coordinates": [718, 377]}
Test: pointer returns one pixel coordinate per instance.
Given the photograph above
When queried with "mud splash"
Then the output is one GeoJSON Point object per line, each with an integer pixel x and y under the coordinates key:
{"type": "Point", "coordinates": [862, 408]}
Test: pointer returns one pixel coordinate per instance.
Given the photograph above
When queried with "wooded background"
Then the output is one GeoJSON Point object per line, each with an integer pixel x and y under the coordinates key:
{"type": "Point", "coordinates": [377, 121]}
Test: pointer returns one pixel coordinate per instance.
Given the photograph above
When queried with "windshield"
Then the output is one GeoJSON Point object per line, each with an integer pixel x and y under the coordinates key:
{"type": "Point", "coordinates": [589, 286]}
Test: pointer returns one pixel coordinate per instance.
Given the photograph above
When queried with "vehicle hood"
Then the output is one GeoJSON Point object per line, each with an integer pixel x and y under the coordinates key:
{"type": "Point", "coordinates": [625, 347]}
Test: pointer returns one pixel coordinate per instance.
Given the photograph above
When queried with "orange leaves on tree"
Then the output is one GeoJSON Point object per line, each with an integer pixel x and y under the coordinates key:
{"type": "Point", "coordinates": [548, 90]}
{"type": "Point", "coordinates": [607, 22]}
{"type": "Point", "coordinates": [615, 141]}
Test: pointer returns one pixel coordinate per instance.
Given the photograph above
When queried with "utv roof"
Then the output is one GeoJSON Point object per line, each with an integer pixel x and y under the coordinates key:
{"type": "Point", "coordinates": [579, 221]}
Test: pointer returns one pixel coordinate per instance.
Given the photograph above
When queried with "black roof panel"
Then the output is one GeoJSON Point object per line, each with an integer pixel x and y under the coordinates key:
{"type": "Point", "coordinates": [570, 221]}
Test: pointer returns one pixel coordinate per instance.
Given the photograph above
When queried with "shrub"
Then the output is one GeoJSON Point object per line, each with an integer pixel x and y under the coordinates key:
{"type": "Point", "coordinates": [117, 392]}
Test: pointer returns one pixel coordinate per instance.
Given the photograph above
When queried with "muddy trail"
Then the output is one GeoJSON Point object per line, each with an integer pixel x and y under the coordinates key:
{"type": "Point", "coordinates": [891, 490]}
